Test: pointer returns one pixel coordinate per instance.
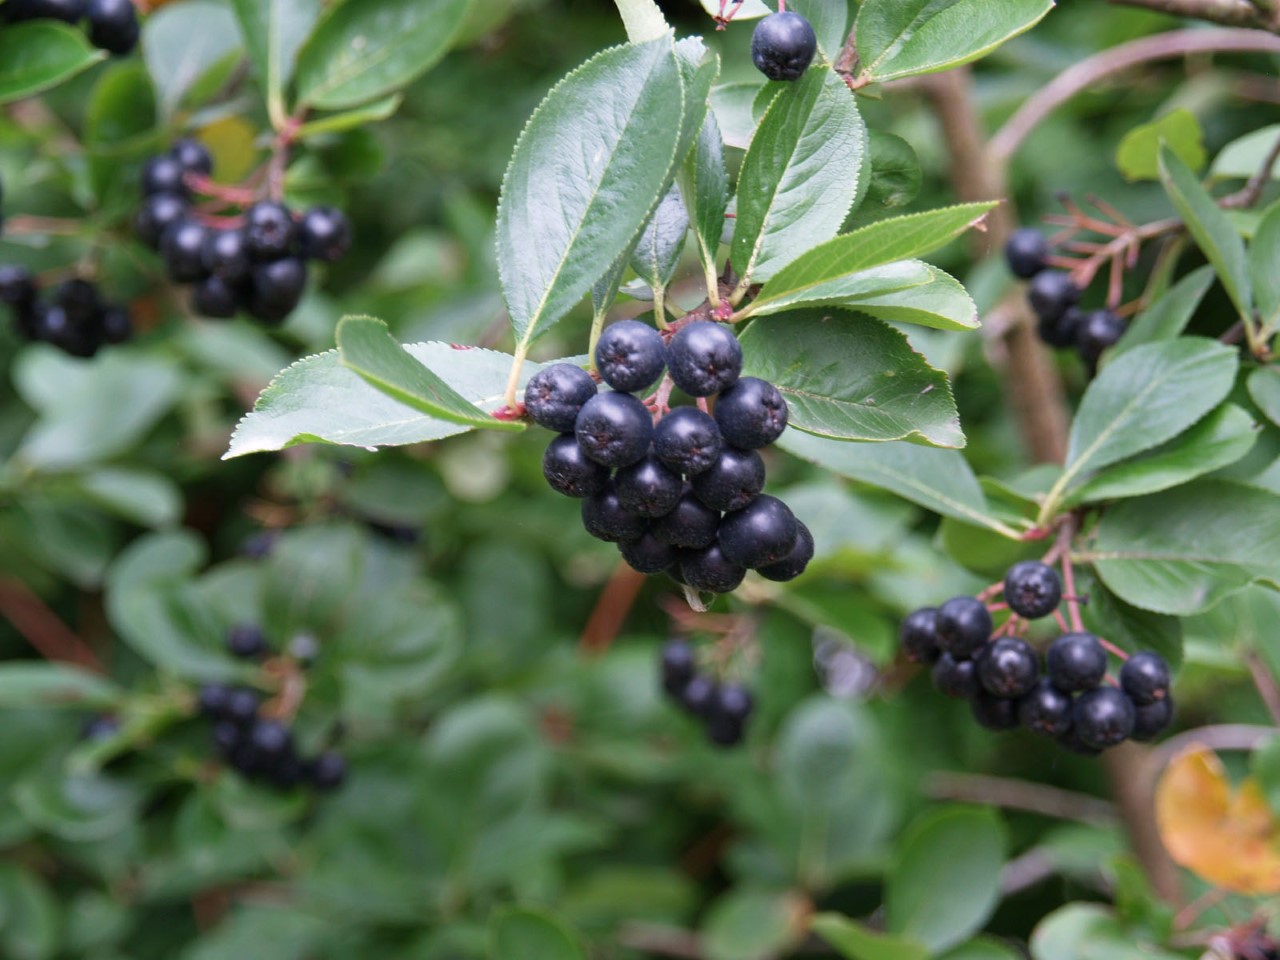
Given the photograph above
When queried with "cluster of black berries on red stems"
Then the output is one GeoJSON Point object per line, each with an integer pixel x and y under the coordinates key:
{"type": "Point", "coordinates": [682, 495]}
{"type": "Point", "coordinates": [113, 24]}
{"type": "Point", "coordinates": [723, 707]}
{"type": "Point", "coordinates": [260, 747]}
{"type": "Point", "coordinates": [1055, 298]}
{"type": "Point", "coordinates": [258, 265]}
{"type": "Point", "coordinates": [999, 673]}
{"type": "Point", "coordinates": [75, 319]}
{"type": "Point", "coordinates": [783, 45]}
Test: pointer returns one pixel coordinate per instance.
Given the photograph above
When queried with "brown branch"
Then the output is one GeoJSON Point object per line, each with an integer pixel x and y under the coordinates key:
{"type": "Point", "coordinates": [1135, 796]}
{"type": "Point", "coordinates": [1020, 795]}
{"type": "Point", "coordinates": [1251, 192]}
{"type": "Point", "coordinates": [662, 941]}
{"type": "Point", "coordinates": [1225, 736]}
{"type": "Point", "coordinates": [41, 627]}
{"type": "Point", "coordinates": [1268, 689]}
{"type": "Point", "coordinates": [611, 609]}
{"type": "Point", "coordinates": [1093, 70]}
{"type": "Point", "coordinates": [1228, 13]}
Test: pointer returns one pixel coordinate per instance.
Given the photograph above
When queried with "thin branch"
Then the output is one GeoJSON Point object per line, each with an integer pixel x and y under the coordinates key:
{"type": "Point", "coordinates": [1228, 13]}
{"type": "Point", "coordinates": [1020, 795]}
{"type": "Point", "coordinates": [1251, 192]}
{"type": "Point", "coordinates": [1268, 689]}
{"type": "Point", "coordinates": [41, 627]}
{"type": "Point", "coordinates": [1225, 736]}
{"type": "Point", "coordinates": [611, 609]}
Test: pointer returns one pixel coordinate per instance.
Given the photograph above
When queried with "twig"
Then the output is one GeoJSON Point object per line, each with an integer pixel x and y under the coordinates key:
{"type": "Point", "coordinates": [611, 609]}
{"type": "Point", "coordinates": [1229, 13]}
{"type": "Point", "coordinates": [1268, 689]}
{"type": "Point", "coordinates": [1225, 736]}
{"type": "Point", "coordinates": [652, 938]}
{"type": "Point", "coordinates": [1030, 869]}
{"type": "Point", "coordinates": [1020, 795]}
{"type": "Point", "coordinates": [41, 627]}
{"type": "Point", "coordinates": [1251, 192]}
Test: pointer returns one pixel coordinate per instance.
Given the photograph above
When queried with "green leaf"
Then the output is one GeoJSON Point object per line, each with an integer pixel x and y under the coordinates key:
{"type": "Point", "coordinates": [368, 49]}
{"type": "Point", "coordinates": [1087, 931]}
{"type": "Point", "coordinates": [643, 20]}
{"type": "Point", "coordinates": [855, 942]}
{"type": "Point", "coordinates": [1183, 550]}
{"type": "Point", "coordinates": [1143, 398]}
{"type": "Point", "coordinates": [1241, 159]}
{"type": "Point", "coordinates": [824, 273]}
{"type": "Point", "coordinates": [29, 685]}
{"type": "Point", "coordinates": [184, 41]}
{"type": "Point", "coordinates": [661, 241]}
{"type": "Point", "coordinates": [903, 38]}
{"type": "Point", "coordinates": [895, 172]}
{"type": "Point", "coordinates": [1218, 440]}
{"type": "Point", "coordinates": [1210, 229]}
{"type": "Point", "coordinates": [1264, 390]}
{"type": "Point", "coordinates": [1129, 627]}
{"type": "Point", "coordinates": [732, 105]}
{"type": "Point", "coordinates": [1168, 316]}
{"type": "Point", "coordinates": [1264, 260]}
{"type": "Point", "coordinates": [566, 215]}
{"type": "Point", "coordinates": [852, 378]}
{"type": "Point", "coordinates": [704, 186]}
{"type": "Point", "coordinates": [944, 881]}
{"type": "Point", "coordinates": [1138, 153]}
{"type": "Point", "coordinates": [531, 935]}
{"type": "Point", "coordinates": [940, 302]}
{"type": "Point", "coordinates": [983, 948]}
{"type": "Point", "coordinates": [750, 925]}
{"type": "Point", "coordinates": [146, 498]}
{"type": "Point", "coordinates": [936, 479]}
{"type": "Point", "coordinates": [351, 119]}
{"type": "Point", "coordinates": [366, 346]}
{"type": "Point", "coordinates": [800, 174]}
{"type": "Point", "coordinates": [1264, 764]}
{"type": "Point", "coordinates": [318, 400]}
{"type": "Point", "coordinates": [273, 32]}
{"type": "Point", "coordinates": [40, 54]}
{"type": "Point", "coordinates": [32, 922]}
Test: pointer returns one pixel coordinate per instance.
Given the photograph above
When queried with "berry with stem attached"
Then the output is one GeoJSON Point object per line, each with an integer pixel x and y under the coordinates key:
{"type": "Point", "coordinates": [226, 255]}
{"type": "Point", "coordinates": [192, 155]}
{"type": "Point", "coordinates": [704, 358]}
{"type": "Point", "coordinates": [1026, 252]}
{"type": "Point", "coordinates": [1008, 668]}
{"type": "Point", "coordinates": [1032, 589]}
{"type": "Point", "coordinates": [1145, 678]}
{"type": "Point", "coordinates": [324, 234]}
{"type": "Point", "coordinates": [157, 214]}
{"type": "Point", "coordinates": [163, 174]}
{"type": "Point", "coordinates": [555, 394]}
{"type": "Point", "coordinates": [182, 247]}
{"type": "Point", "coordinates": [761, 533]}
{"type": "Point", "coordinates": [783, 45]}
{"type": "Point", "coordinates": [1051, 292]}
{"type": "Point", "coordinates": [570, 471]}
{"type": "Point", "coordinates": [270, 231]}
{"type": "Point", "coordinates": [1098, 330]}
{"type": "Point", "coordinates": [630, 355]}
{"type": "Point", "coordinates": [964, 626]}
{"type": "Point", "coordinates": [751, 414]}
{"type": "Point", "coordinates": [918, 635]}
{"type": "Point", "coordinates": [1076, 661]}
{"type": "Point", "coordinates": [1103, 717]}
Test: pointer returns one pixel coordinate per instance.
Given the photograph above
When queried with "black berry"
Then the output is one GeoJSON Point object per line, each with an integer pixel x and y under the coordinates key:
{"type": "Point", "coordinates": [1026, 252]}
{"type": "Point", "coordinates": [605, 519]}
{"type": "Point", "coordinates": [956, 678]}
{"type": "Point", "coordinates": [964, 626]}
{"type": "Point", "coordinates": [555, 394]}
{"type": "Point", "coordinates": [724, 731]}
{"type": "Point", "coordinates": [691, 524]}
{"type": "Point", "coordinates": [182, 247]}
{"type": "Point", "coordinates": [278, 286]}
{"type": "Point", "coordinates": [191, 154]}
{"type": "Point", "coordinates": [630, 355]}
{"type": "Point", "coordinates": [732, 482]}
{"type": "Point", "coordinates": [783, 46]}
{"type": "Point", "coordinates": [1152, 720]}
{"type": "Point", "coordinates": [1076, 661]}
{"type": "Point", "coordinates": [794, 563]}
{"type": "Point", "coordinates": [269, 231]}
{"type": "Point", "coordinates": [1008, 668]}
{"type": "Point", "coordinates": [157, 214]}
{"type": "Point", "coordinates": [699, 695]}
{"type": "Point", "coordinates": [648, 554]}
{"type": "Point", "coordinates": [69, 11]}
{"type": "Point", "coordinates": [1103, 717]}
{"type": "Point", "coordinates": [1145, 678]}
{"type": "Point", "coordinates": [994, 713]}
{"type": "Point", "coordinates": [687, 440]}
{"type": "Point", "coordinates": [1051, 292]}
{"type": "Point", "coordinates": [678, 665]}
{"type": "Point", "coordinates": [246, 640]}
{"type": "Point", "coordinates": [270, 740]}
{"type": "Point", "coordinates": [226, 255]}
{"type": "Point", "coordinates": [1046, 710]}
{"type": "Point", "coordinates": [570, 471]}
{"type": "Point", "coordinates": [324, 234]}
{"type": "Point", "coordinates": [704, 358]}
{"type": "Point", "coordinates": [761, 533]}
{"type": "Point", "coordinates": [327, 771]}
{"type": "Point", "coordinates": [17, 288]}
{"type": "Point", "coordinates": [1098, 330]}
{"type": "Point", "coordinates": [115, 323]}
{"type": "Point", "coordinates": [647, 488]}
{"type": "Point", "coordinates": [709, 569]}
{"type": "Point", "coordinates": [918, 635]}
{"type": "Point", "coordinates": [212, 699]}
{"type": "Point", "coordinates": [752, 413]}
{"type": "Point", "coordinates": [614, 429]}
{"type": "Point", "coordinates": [241, 705]}
{"type": "Point", "coordinates": [113, 25]}
{"type": "Point", "coordinates": [215, 297]}
{"type": "Point", "coordinates": [1032, 589]}
{"type": "Point", "coordinates": [163, 174]}
{"type": "Point", "coordinates": [227, 736]}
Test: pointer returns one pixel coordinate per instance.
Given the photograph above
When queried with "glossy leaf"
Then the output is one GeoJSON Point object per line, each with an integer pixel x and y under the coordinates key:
{"type": "Point", "coordinates": [895, 172]}
{"type": "Point", "coordinates": [1264, 255]}
{"type": "Point", "coordinates": [54, 685]}
{"type": "Point", "coordinates": [531, 935]}
{"type": "Point", "coordinates": [852, 378]}
{"type": "Point", "coordinates": [351, 119]}
{"type": "Point", "coordinates": [661, 241]}
{"type": "Point", "coordinates": [643, 20]}
{"type": "Point", "coordinates": [1241, 159]}
{"type": "Point", "coordinates": [1183, 550]}
{"type": "Point", "coordinates": [903, 38]}
{"type": "Point", "coordinates": [704, 186]}
{"type": "Point", "coordinates": [800, 174]}
{"type": "Point", "coordinates": [365, 50]}
{"type": "Point", "coordinates": [1168, 316]}
{"type": "Point", "coordinates": [940, 302]}
{"type": "Point", "coordinates": [40, 54]}
{"type": "Point", "coordinates": [1210, 228]}
{"type": "Point", "coordinates": [1264, 390]}
{"type": "Point", "coordinates": [566, 215]}
{"type": "Point", "coordinates": [273, 32]}
{"type": "Point", "coordinates": [1137, 155]}
{"type": "Point", "coordinates": [853, 941]}
{"type": "Point", "coordinates": [184, 41]}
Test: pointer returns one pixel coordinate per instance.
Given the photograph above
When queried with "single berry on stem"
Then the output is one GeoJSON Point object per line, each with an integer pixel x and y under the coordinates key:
{"type": "Point", "coordinates": [1076, 661]}
{"type": "Point", "coordinates": [269, 230]}
{"type": "Point", "coordinates": [783, 45]}
{"type": "Point", "coordinates": [555, 394]}
{"type": "Point", "coordinates": [761, 533]}
{"type": "Point", "coordinates": [687, 440]}
{"type": "Point", "coordinates": [605, 519]}
{"type": "Point", "coordinates": [1046, 710]}
{"type": "Point", "coordinates": [732, 482]}
{"type": "Point", "coordinates": [1008, 668]}
{"type": "Point", "coordinates": [157, 214]}
{"type": "Point", "coordinates": [192, 155]}
{"type": "Point", "coordinates": [698, 695]}
{"type": "Point", "coordinates": [182, 247]}
{"type": "Point", "coordinates": [226, 255]}
{"type": "Point", "coordinates": [163, 174]}
{"type": "Point", "coordinates": [751, 414]}
{"type": "Point", "coordinates": [1103, 717]}
{"type": "Point", "coordinates": [1145, 678]}
{"type": "Point", "coordinates": [1051, 292]}
{"type": "Point", "coordinates": [324, 234]}
{"type": "Point", "coordinates": [570, 471]}
{"type": "Point", "coordinates": [327, 771]}
{"type": "Point", "coordinates": [1032, 589]}
{"type": "Point", "coordinates": [1026, 252]}
{"type": "Point", "coordinates": [647, 488]}
{"type": "Point", "coordinates": [704, 358]}
{"type": "Point", "coordinates": [630, 355]}
{"type": "Point", "coordinates": [964, 626]}
{"type": "Point", "coordinates": [1098, 330]}
{"type": "Point", "coordinates": [918, 635]}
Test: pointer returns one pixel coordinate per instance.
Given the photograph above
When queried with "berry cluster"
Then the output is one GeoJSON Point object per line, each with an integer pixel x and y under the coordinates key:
{"type": "Point", "coordinates": [1054, 297]}
{"type": "Point", "coordinates": [75, 320]}
{"type": "Point", "coordinates": [261, 747]}
{"type": "Point", "coordinates": [258, 265]}
{"type": "Point", "coordinates": [722, 707]}
{"type": "Point", "coordinates": [113, 24]}
{"type": "Point", "coordinates": [783, 45]}
{"type": "Point", "coordinates": [682, 495]}
{"type": "Point", "coordinates": [999, 672]}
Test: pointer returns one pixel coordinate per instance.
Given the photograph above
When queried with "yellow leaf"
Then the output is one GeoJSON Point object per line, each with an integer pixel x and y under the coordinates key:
{"type": "Point", "coordinates": [1229, 839]}
{"type": "Point", "coordinates": [231, 141]}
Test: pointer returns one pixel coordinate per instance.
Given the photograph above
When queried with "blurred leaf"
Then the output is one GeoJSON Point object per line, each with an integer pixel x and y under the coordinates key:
{"type": "Point", "coordinates": [351, 119]}
{"type": "Point", "coordinates": [751, 925]}
{"type": "Point", "coordinates": [731, 105]}
{"type": "Point", "coordinates": [1081, 931]}
{"type": "Point", "coordinates": [1264, 765]}
{"type": "Point", "coordinates": [1168, 316]}
{"type": "Point", "coordinates": [273, 32]}
{"type": "Point", "coordinates": [903, 38]}
{"type": "Point", "coordinates": [79, 809]}
{"type": "Point", "coordinates": [1264, 254]}
{"type": "Point", "coordinates": [183, 42]}
{"type": "Point", "coordinates": [1242, 158]}
{"type": "Point", "coordinates": [147, 499]}
{"type": "Point", "coordinates": [40, 54]}
{"type": "Point", "coordinates": [851, 378]}
{"type": "Point", "coordinates": [983, 948]}
{"type": "Point", "coordinates": [830, 23]}
{"type": "Point", "coordinates": [531, 935]}
{"type": "Point", "coordinates": [361, 51]}
{"type": "Point", "coordinates": [30, 921]}
{"type": "Point", "coordinates": [54, 685]}
{"type": "Point", "coordinates": [855, 942]}
{"type": "Point", "coordinates": [1138, 153]}
{"type": "Point", "coordinates": [800, 175]}
{"type": "Point", "coordinates": [643, 20]}
{"type": "Point", "coordinates": [292, 934]}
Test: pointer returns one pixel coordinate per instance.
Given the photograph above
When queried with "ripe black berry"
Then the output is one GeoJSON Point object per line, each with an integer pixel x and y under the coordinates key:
{"type": "Point", "coordinates": [647, 488]}
{"type": "Point", "coordinates": [113, 25]}
{"type": "Point", "coordinates": [956, 678]}
{"type": "Point", "coordinates": [1145, 678]}
{"type": "Point", "coordinates": [794, 563]}
{"type": "Point", "coordinates": [241, 705]}
{"type": "Point", "coordinates": [157, 214]}
{"type": "Point", "coordinates": [630, 355]}
{"type": "Point", "coordinates": [1071, 742]}
{"type": "Point", "coordinates": [212, 699]}
{"type": "Point", "coordinates": [570, 471]}
{"type": "Point", "coordinates": [687, 440]}
{"type": "Point", "coordinates": [269, 231]}
{"type": "Point", "coordinates": [994, 713]}
{"type": "Point", "coordinates": [278, 286]}
{"type": "Point", "coordinates": [752, 413]}
{"type": "Point", "coordinates": [648, 554]}
{"type": "Point", "coordinates": [964, 626]}
{"type": "Point", "coordinates": [704, 358]}
{"type": "Point", "coordinates": [324, 234]}
{"type": "Point", "coordinates": [191, 154]}
{"type": "Point", "coordinates": [709, 569]}
{"type": "Point", "coordinates": [55, 325]}
{"type": "Point", "coordinates": [215, 297]}
{"type": "Point", "coordinates": [1032, 589]}
{"type": "Point", "coordinates": [1046, 710]}
{"type": "Point", "coordinates": [1026, 252]}
{"type": "Point", "coordinates": [1008, 668]}
{"type": "Point", "coordinates": [1103, 717]}
{"type": "Point", "coordinates": [761, 533]}
{"type": "Point", "coordinates": [79, 298]}
{"type": "Point", "coordinates": [163, 174]}
{"type": "Point", "coordinates": [678, 665]}
{"type": "Point", "coordinates": [327, 771]}
{"type": "Point", "coordinates": [614, 429]}
{"type": "Point", "coordinates": [783, 46]}
{"type": "Point", "coordinates": [605, 519]}
{"type": "Point", "coordinates": [1051, 292]}
{"type": "Point", "coordinates": [1098, 330]}
{"type": "Point", "coordinates": [724, 732]}
{"type": "Point", "coordinates": [698, 695]}
{"type": "Point", "coordinates": [1152, 720]}
{"type": "Point", "coordinates": [1061, 332]}
{"type": "Point", "coordinates": [247, 640]}
{"type": "Point", "coordinates": [115, 323]}
{"type": "Point", "coordinates": [555, 394]}
{"type": "Point", "coordinates": [918, 635]}
{"type": "Point", "coordinates": [269, 739]}
{"type": "Point", "coordinates": [691, 524]}
{"type": "Point", "coordinates": [732, 482]}
{"type": "Point", "coordinates": [182, 247]}
{"type": "Point", "coordinates": [734, 701]}
{"type": "Point", "coordinates": [226, 255]}
{"type": "Point", "coordinates": [17, 288]}
{"type": "Point", "coordinates": [1076, 661]}
{"type": "Point", "coordinates": [226, 737]}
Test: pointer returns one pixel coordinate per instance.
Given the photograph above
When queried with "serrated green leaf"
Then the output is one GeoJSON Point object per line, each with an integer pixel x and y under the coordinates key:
{"type": "Point", "coordinates": [366, 346]}
{"type": "Point", "coordinates": [531, 935]}
{"type": "Point", "coordinates": [29, 685]}
{"type": "Point", "coordinates": [1168, 316]}
{"type": "Point", "coordinates": [657, 252]}
{"type": "Point", "coordinates": [704, 186]}
{"type": "Point", "coordinates": [850, 377]}
{"type": "Point", "coordinates": [822, 273]}
{"type": "Point", "coordinates": [1241, 159]}
{"type": "Point", "coordinates": [903, 38]}
{"type": "Point", "coordinates": [1137, 155]}
{"type": "Point", "coordinates": [1264, 390]}
{"type": "Point", "coordinates": [1210, 229]}
{"type": "Point", "coordinates": [944, 881]}
{"type": "Point", "coordinates": [895, 176]}
{"type": "Point", "coordinates": [940, 302]}
{"type": "Point", "coordinates": [566, 215]}
{"type": "Point", "coordinates": [1220, 439]}
{"type": "Point", "coordinates": [1184, 550]}
{"type": "Point", "coordinates": [362, 51]}
{"type": "Point", "coordinates": [853, 941]}
{"type": "Point", "coordinates": [800, 174]}
{"type": "Point", "coordinates": [184, 41]}
{"type": "Point", "coordinates": [40, 54]}
{"type": "Point", "coordinates": [273, 32]}
{"type": "Point", "coordinates": [830, 22]}
{"type": "Point", "coordinates": [1264, 266]}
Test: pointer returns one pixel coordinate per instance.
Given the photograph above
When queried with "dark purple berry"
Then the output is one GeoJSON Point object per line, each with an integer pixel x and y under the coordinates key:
{"type": "Point", "coordinates": [699, 695]}
{"type": "Point", "coordinates": [68, 11]}
{"type": "Point", "coordinates": [192, 155]}
{"type": "Point", "coordinates": [1076, 661]}
{"type": "Point", "coordinates": [270, 739]}
{"type": "Point", "coordinates": [270, 231]}
{"type": "Point", "coordinates": [1152, 720]}
{"type": "Point", "coordinates": [1061, 332]}
{"type": "Point", "coordinates": [1032, 589]}
{"type": "Point", "coordinates": [761, 533]}
{"type": "Point", "coordinates": [156, 215]}
{"type": "Point", "coordinates": [1051, 292]}
{"type": "Point", "coordinates": [1071, 742]}
{"type": "Point", "coordinates": [647, 488]}
{"type": "Point", "coordinates": [212, 699]}
{"type": "Point", "coordinates": [725, 732]}
{"type": "Point", "coordinates": [163, 174]}
{"type": "Point", "coordinates": [704, 358]}
{"type": "Point", "coordinates": [691, 524]}
{"type": "Point", "coordinates": [226, 256]}
{"type": "Point", "coordinates": [1098, 330]}
{"type": "Point", "coordinates": [918, 635]}
{"type": "Point", "coordinates": [277, 288]}
{"type": "Point", "coordinates": [113, 25]}
{"type": "Point", "coordinates": [678, 666]}
{"type": "Point", "coordinates": [751, 414]}
{"type": "Point", "coordinates": [1026, 252]}
{"type": "Point", "coordinates": [17, 288]}
{"type": "Point", "coordinates": [614, 429]}
{"type": "Point", "coordinates": [555, 394]}
{"type": "Point", "coordinates": [1145, 678]}
{"type": "Point", "coordinates": [115, 323]}
{"type": "Point", "coordinates": [709, 569]}
{"type": "Point", "coordinates": [215, 297]}
{"type": "Point", "coordinates": [324, 234]}
{"type": "Point", "coordinates": [570, 471]}
{"type": "Point", "coordinates": [648, 555]}
{"type": "Point", "coordinates": [687, 440]}
{"type": "Point", "coordinates": [227, 736]}
{"type": "Point", "coordinates": [732, 482]}
{"type": "Point", "coordinates": [1103, 717]}
{"type": "Point", "coordinates": [246, 640]}
{"type": "Point", "coordinates": [734, 701]}
{"type": "Point", "coordinates": [994, 713]}
{"type": "Point", "coordinates": [605, 519]}
{"type": "Point", "coordinates": [327, 771]}
{"type": "Point", "coordinates": [241, 705]}
{"type": "Point", "coordinates": [964, 626]}
{"type": "Point", "coordinates": [182, 247]}
{"type": "Point", "coordinates": [955, 678]}
{"type": "Point", "coordinates": [1046, 710]}
{"type": "Point", "coordinates": [783, 46]}
{"type": "Point", "coordinates": [630, 355]}
{"type": "Point", "coordinates": [795, 562]}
